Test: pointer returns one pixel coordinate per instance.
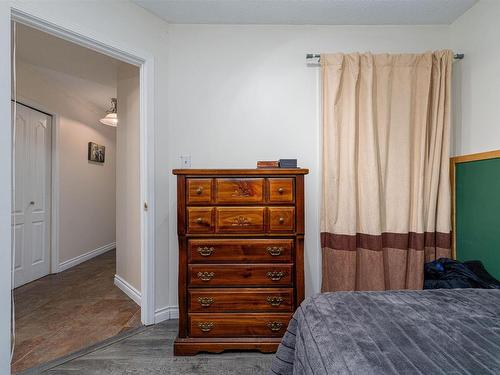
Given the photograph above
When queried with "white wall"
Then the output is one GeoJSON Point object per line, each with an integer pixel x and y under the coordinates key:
{"type": "Point", "coordinates": [238, 94]}
{"type": "Point", "coordinates": [86, 189]}
{"type": "Point", "coordinates": [477, 79]}
{"type": "Point", "coordinates": [128, 189]}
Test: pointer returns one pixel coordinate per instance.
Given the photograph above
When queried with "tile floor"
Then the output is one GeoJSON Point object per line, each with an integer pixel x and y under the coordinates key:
{"type": "Point", "coordinates": [62, 313]}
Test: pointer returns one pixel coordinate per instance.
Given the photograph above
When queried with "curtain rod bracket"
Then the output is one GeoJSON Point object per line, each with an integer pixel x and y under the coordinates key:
{"type": "Point", "coordinates": [310, 56]}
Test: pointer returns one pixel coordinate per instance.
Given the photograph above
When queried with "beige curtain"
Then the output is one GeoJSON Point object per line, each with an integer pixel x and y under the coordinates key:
{"type": "Point", "coordinates": [386, 191]}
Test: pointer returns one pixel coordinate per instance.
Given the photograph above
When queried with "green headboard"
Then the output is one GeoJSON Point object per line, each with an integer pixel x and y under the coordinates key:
{"type": "Point", "coordinates": [477, 209]}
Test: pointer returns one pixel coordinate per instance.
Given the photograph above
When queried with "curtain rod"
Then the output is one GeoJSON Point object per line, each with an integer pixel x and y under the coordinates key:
{"type": "Point", "coordinates": [310, 56]}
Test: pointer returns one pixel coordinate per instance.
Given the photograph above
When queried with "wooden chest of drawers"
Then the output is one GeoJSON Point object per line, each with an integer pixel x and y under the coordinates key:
{"type": "Point", "coordinates": [241, 263]}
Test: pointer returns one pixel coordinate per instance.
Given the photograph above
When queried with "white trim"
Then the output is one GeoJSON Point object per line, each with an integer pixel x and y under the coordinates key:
{"type": "Point", "coordinates": [63, 266]}
{"type": "Point", "coordinates": [128, 289]}
{"type": "Point", "coordinates": [166, 313]}
{"type": "Point", "coordinates": [54, 234]}
{"type": "Point", "coordinates": [147, 176]}
{"type": "Point", "coordinates": [88, 41]}
{"type": "Point", "coordinates": [146, 61]}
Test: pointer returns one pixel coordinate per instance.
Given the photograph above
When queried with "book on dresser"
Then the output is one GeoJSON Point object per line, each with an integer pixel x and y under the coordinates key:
{"type": "Point", "coordinates": [241, 257]}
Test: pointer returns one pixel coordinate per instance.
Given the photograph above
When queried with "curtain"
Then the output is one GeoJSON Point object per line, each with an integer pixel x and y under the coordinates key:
{"type": "Point", "coordinates": [386, 190]}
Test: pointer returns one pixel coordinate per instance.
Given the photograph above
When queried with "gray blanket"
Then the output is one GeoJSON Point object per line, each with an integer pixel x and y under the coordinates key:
{"type": "Point", "coordinates": [440, 331]}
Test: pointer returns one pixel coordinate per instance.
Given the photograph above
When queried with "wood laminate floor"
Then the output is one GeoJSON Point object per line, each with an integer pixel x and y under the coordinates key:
{"type": "Point", "coordinates": [65, 312]}
{"type": "Point", "coordinates": [149, 351]}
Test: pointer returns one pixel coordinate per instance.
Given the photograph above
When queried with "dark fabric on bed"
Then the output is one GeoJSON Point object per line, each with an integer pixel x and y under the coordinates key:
{"type": "Point", "coordinates": [445, 273]}
{"type": "Point", "coordinates": [478, 268]}
{"type": "Point", "coordinates": [448, 331]}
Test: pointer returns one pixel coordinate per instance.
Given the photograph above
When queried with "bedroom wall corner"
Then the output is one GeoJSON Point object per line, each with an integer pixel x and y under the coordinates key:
{"type": "Point", "coordinates": [476, 80]}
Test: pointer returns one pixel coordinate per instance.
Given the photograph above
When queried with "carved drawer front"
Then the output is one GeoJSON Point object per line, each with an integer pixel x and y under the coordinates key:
{"type": "Point", "coordinates": [281, 190]}
{"type": "Point", "coordinates": [234, 299]}
{"type": "Point", "coordinates": [240, 219]}
{"type": "Point", "coordinates": [281, 219]}
{"type": "Point", "coordinates": [200, 219]}
{"type": "Point", "coordinates": [239, 190]}
{"type": "Point", "coordinates": [240, 275]}
{"type": "Point", "coordinates": [238, 325]}
{"type": "Point", "coordinates": [240, 250]}
{"type": "Point", "coordinates": [199, 190]}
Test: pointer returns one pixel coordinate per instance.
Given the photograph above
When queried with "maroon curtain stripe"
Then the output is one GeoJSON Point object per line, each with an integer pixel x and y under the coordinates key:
{"type": "Point", "coordinates": [403, 241]}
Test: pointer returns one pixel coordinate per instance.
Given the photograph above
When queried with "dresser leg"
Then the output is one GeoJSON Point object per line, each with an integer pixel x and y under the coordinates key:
{"type": "Point", "coordinates": [187, 347]}
{"type": "Point", "coordinates": [183, 349]}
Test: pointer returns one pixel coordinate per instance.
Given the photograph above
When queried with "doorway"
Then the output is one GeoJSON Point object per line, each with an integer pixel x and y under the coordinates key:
{"type": "Point", "coordinates": [146, 64]}
{"type": "Point", "coordinates": [82, 284]}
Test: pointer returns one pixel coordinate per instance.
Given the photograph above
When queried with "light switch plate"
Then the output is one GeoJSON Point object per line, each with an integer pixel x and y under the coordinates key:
{"type": "Point", "coordinates": [185, 161]}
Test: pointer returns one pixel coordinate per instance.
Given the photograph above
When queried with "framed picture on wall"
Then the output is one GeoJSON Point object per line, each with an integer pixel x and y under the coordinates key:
{"type": "Point", "coordinates": [96, 152]}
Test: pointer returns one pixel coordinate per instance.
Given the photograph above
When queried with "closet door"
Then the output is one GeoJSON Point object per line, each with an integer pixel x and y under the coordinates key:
{"type": "Point", "coordinates": [31, 198]}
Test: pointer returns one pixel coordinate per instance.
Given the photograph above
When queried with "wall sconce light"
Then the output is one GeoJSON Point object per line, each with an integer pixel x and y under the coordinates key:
{"type": "Point", "coordinates": [111, 118]}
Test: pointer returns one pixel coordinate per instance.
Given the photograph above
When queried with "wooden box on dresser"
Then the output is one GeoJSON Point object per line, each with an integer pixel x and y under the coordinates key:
{"type": "Point", "coordinates": [241, 257]}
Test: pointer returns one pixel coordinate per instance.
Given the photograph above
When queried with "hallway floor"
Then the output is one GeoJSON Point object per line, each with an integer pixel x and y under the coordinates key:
{"type": "Point", "coordinates": [65, 312]}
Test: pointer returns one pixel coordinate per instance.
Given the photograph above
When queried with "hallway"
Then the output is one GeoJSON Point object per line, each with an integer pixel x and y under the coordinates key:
{"type": "Point", "coordinates": [65, 312]}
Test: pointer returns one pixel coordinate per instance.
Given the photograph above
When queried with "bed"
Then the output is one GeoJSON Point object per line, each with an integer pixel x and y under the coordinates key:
{"type": "Point", "coordinates": [443, 331]}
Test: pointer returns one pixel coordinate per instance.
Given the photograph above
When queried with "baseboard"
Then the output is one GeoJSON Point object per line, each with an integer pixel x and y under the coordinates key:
{"type": "Point", "coordinates": [166, 313]}
{"type": "Point", "coordinates": [84, 257]}
{"type": "Point", "coordinates": [128, 289]}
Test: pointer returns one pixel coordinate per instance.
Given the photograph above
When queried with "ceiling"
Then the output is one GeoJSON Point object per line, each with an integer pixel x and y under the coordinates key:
{"type": "Point", "coordinates": [90, 75]}
{"type": "Point", "coordinates": [309, 12]}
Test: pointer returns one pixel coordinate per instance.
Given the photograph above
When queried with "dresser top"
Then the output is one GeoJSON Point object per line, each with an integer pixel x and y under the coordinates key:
{"type": "Point", "coordinates": [239, 172]}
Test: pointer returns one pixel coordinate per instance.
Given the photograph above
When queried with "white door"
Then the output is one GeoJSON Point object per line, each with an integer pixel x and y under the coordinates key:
{"type": "Point", "coordinates": [31, 195]}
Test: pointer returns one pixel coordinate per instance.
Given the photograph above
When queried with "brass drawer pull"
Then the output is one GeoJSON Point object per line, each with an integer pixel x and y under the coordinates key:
{"type": "Point", "coordinates": [281, 220]}
{"type": "Point", "coordinates": [206, 326]}
{"type": "Point", "coordinates": [280, 190]}
{"type": "Point", "coordinates": [199, 190]}
{"type": "Point", "coordinates": [275, 326]}
{"type": "Point", "coordinates": [274, 300]}
{"type": "Point", "coordinates": [275, 275]}
{"type": "Point", "coordinates": [205, 251]}
{"type": "Point", "coordinates": [274, 251]}
{"type": "Point", "coordinates": [206, 276]}
{"type": "Point", "coordinates": [205, 301]}
{"type": "Point", "coordinates": [199, 220]}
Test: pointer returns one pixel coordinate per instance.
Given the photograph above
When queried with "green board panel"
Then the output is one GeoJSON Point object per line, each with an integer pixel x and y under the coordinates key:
{"type": "Point", "coordinates": [478, 213]}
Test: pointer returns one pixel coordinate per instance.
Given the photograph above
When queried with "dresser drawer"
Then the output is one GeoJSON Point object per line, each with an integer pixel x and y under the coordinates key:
{"type": "Point", "coordinates": [239, 190]}
{"type": "Point", "coordinates": [200, 219]}
{"type": "Point", "coordinates": [240, 274]}
{"type": "Point", "coordinates": [281, 190]}
{"type": "Point", "coordinates": [234, 299]}
{"type": "Point", "coordinates": [281, 219]}
{"type": "Point", "coordinates": [239, 219]}
{"type": "Point", "coordinates": [240, 251]}
{"type": "Point", "coordinates": [199, 190]}
{"type": "Point", "coordinates": [238, 325]}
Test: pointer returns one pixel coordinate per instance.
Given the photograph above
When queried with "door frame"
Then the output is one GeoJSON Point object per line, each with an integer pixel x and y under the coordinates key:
{"type": "Point", "coordinates": [146, 63]}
